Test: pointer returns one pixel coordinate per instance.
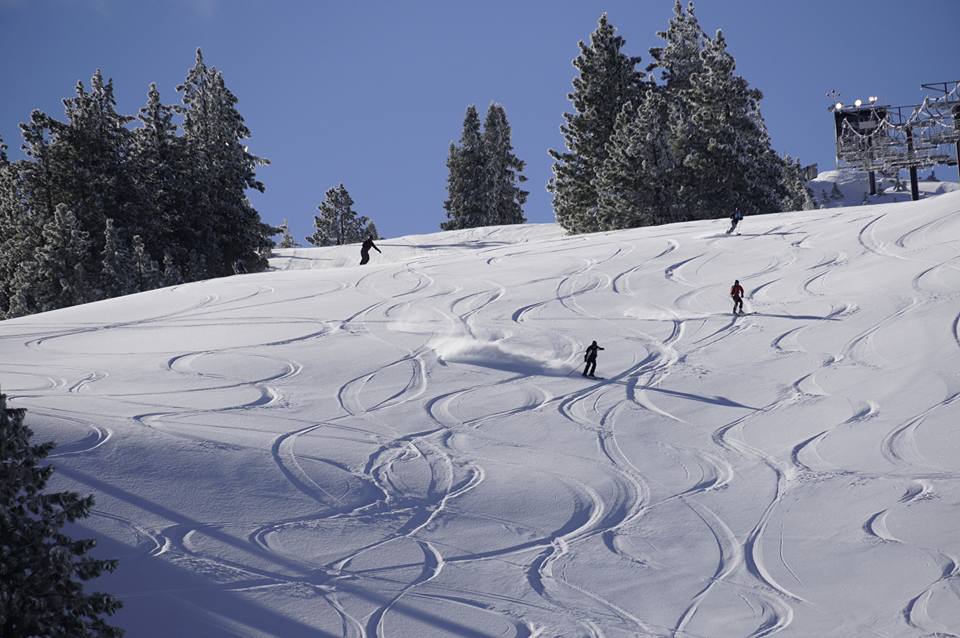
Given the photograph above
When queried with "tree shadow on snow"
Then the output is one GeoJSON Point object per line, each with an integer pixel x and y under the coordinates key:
{"type": "Point", "coordinates": [163, 599]}
{"type": "Point", "coordinates": [702, 398]}
{"type": "Point", "coordinates": [715, 399]}
{"type": "Point", "coordinates": [799, 317]}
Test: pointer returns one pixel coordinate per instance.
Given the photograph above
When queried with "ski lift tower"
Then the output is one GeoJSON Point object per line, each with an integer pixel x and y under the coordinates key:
{"type": "Point", "coordinates": [856, 126]}
{"type": "Point", "coordinates": [890, 138]}
{"type": "Point", "coordinates": [946, 100]}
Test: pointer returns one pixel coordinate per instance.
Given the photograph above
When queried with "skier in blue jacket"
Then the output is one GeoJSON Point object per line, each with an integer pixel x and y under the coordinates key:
{"type": "Point", "coordinates": [735, 219]}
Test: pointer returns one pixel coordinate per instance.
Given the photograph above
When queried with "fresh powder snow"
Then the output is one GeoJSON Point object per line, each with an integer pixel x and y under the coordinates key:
{"type": "Point", "coordinates": [408, 448]}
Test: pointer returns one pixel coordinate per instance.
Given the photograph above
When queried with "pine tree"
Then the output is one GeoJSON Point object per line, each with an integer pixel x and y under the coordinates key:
{"type": "Point", "coordinates": [146, 269]}
{"type": "Point", "coordinates": [721, 141]}
{"type": "Point", "coordinates": [287, 240]}
{"type": "Point", "coordinates": [369, 229]}
{"type": "Point", "coordinates": [607, 80]}
{"type": "Point", "coordinates": [676, 63]}
{"type": "Point", "coordinates": [118, 268]}
{"type": "Point", "coordinates": [185, 196]}
{"type": "Point", "coordinates": [158, 160]}
{"type": "Point", "coordinates": [171, 275]}
{"type": "Point", "coordinates": [39, 173]}
{"type": "Point", "coordinates": [90, 155]}
{"type": "Point", "coordinates": [59, 263]}
{"type": "Point", "coordinates": [503, 172]}
{"type": "Point", "coordinates": [678, 60]}
{"type": "Point", "coordinates": [220, 170]}
{"type": "Point", "coordinates": [338, 224]}
{"type": "Point", "coordinates": [14, 228]}
{"type": "Point", "coordinates": [196, 266]}
{"type": "Point", "coordinates": [42, 569]}
{"type": "Point", "coordinates": [798, 196]}
{"type": "Point", "coordinates": [634, 185]}
{"type": "Point", "coordinates": [465, 201]}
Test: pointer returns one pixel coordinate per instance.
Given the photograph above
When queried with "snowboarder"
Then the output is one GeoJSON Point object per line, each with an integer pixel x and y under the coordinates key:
{"type": "Point", "coordinates": [239, 268]}
{"type": "Point", "coordinates": [736, 291]}
{"type": "Point", "coordinates": [735, 219]}
{"type": "Point", "coordinates": [365, 250]}
{"type": "Point", "coordinates": [591, 358]}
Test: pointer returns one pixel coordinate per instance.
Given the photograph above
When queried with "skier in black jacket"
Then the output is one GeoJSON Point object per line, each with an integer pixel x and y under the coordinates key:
{"type": "Point", "coordinates": [365, 250]}
{"type": "Point", "coordinates": [591, 358]}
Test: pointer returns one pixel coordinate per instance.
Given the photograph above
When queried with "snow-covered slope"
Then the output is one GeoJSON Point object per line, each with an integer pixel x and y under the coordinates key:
{"type": "Point", "coordinates": [408, 448]}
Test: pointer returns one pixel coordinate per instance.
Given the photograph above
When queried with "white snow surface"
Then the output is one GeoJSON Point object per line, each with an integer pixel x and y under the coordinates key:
{"type": "Point", "coordinates": [408, 448]}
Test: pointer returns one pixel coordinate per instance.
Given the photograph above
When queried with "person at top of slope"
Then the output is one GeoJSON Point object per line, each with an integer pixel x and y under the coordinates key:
{"type": "Point", "coordinates": [735, 219]}
{"type": "Point", "coordinates": [736, 291]}
{"type": "Point", "coordinates": [365, 249]}
{"type": "Point", "coordinates": [591, 358]}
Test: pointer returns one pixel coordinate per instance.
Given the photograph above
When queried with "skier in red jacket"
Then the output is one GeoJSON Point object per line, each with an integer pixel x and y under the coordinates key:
{"type": "Point", "coordinates": [736, 291]}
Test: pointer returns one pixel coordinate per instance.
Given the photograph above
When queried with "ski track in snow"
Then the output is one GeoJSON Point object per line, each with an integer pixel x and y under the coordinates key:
{"type": "Point", "coordinates": [484, 496]}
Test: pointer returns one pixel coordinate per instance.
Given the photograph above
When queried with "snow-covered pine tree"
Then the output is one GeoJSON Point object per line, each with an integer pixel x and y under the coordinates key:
{"type": "Point", "coordinates": [607, 80]}
{"type": "Point", "coordinates": [678, 60]}
{"type": "Point", "coordinates": [338, 224]}
{"type": "Point", "coordinates": [635, 184]}
{"type": "Point", "coordinates": [503, 172]}
{"type": "Point", "coordinates": [38, 173]}
{"type": "Point", "coordinates": [465, 203]}
{"type": "Point", "coordinates": [59, 264]}
{"type": "Point", "coordinates": [8, 217]}
{"type": "Point", "coordinates": [146, 269]}
{"type": "Point", "coordinates": [196, 266]}
{"type": "Point", "coordinates": [171, 275]}
{"type": "Point", "coordinates": [287, 240]}
{"type": "Point", "coordinates": [675, 64]}
{"type": "Point", "coordinates": [220, 170]}
{"type": "Point", "coordinates": [798, 195]}
{"type": "Point", "coordinates": [723, 145]}
{"type": "Point", "coordinates": [41, 592]}
{"type": "Point", "coordinates": [13, 220]}
{"type": "Point", "coordinates": [21, 235]}
{"type": "Point", "coordinates": [91, 151]}
{"type": "Point", "coordinates": [118, 268]}
{"type": "Point", "coordinates": [157, 160]}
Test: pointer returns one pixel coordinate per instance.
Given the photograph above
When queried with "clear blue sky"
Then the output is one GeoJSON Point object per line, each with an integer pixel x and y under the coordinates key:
{"type": "Point", "coordinates": [372, 93]}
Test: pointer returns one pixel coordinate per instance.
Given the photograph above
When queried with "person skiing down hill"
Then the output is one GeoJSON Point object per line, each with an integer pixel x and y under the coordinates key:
{"type": "Point", "coordinates": [365, 250]}
{"type": "Point", "coordinates": [591, 358]}
{"type": "Point", "coordinates": [736, 291]}
{"type": "Point", "coordinates": [735, 219]}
